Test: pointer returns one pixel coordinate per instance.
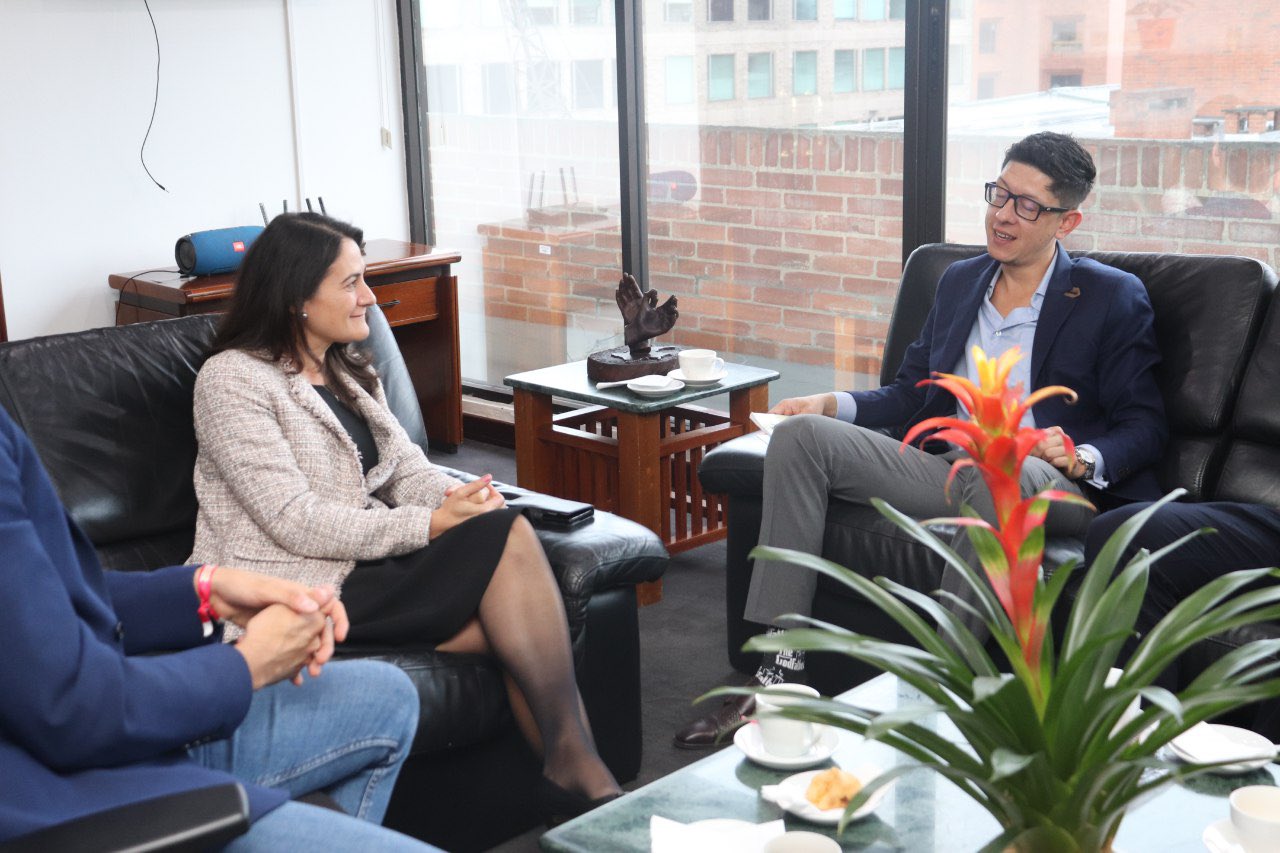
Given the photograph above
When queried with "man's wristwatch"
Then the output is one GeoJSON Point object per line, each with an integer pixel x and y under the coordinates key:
{"type": "Point", "coordinates": [1085, 458]}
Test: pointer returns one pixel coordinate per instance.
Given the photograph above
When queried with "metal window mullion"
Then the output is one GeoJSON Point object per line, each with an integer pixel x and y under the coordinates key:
{"type": "Point", "coordinates": [632, 148]}
{"type": "Point", "coordinates": [924, 167]}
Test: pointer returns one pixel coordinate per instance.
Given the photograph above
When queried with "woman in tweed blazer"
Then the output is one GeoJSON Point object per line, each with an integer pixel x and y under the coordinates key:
{"type": "Point", "coordinates": [304, 473]}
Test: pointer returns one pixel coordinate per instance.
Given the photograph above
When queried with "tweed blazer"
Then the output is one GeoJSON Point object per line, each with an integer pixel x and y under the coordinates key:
{"type": "Point", "coordinates": [279, 480]}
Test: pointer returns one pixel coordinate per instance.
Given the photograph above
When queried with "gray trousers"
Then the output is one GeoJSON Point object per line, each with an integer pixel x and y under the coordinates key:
{"type": "Point", "coordinates": [813, 458]}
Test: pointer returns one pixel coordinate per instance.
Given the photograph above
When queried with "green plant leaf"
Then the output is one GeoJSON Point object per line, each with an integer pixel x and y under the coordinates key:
{"type": "Point", "coordinates": [1099, 574]}
{"type": "Point", "coordinates": [1005, 763]}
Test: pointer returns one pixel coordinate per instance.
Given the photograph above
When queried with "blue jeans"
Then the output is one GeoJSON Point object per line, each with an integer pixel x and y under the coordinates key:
{"type": "Point", "coordinates": [346, 733]}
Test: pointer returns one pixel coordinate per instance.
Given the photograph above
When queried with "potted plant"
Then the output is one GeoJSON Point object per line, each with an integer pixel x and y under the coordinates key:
{"type": "Point", "coordinates": [1156, 22]}
{"type": "Point", "coordinates": [1054, 752]}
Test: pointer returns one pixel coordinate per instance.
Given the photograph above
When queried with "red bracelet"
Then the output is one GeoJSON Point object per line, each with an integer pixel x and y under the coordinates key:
{"type": "Point", "coordinates": [204, 583]}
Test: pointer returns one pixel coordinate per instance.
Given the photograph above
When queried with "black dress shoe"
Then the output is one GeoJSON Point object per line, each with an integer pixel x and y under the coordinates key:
{"type": "Point", "coordinates": [710, 730]}
{"type": "Point", "coordinates": [556, 805]}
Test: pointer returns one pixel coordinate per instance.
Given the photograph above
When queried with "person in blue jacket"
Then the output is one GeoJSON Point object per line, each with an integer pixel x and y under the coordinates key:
{"type": "Point", "coordinates": [116, 688]}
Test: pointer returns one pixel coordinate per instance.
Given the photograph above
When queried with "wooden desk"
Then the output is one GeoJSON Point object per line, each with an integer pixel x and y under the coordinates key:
{"type": "Point", "coordinates": [632, 455]}
{"type": "Point", "coordinates": [415, 291]}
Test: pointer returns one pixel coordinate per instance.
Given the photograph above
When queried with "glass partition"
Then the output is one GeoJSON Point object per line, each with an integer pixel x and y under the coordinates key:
{"type": "Point", "coordinates": [522, 140]}
{"type": "Point", "coordinates": [775, 193]}
{"type": "Point", "coordinates": [1176, 101]}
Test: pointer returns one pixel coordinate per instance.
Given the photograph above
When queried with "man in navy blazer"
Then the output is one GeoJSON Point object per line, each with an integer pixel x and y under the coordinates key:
{"type": "Point", "coordinates": [1078, 323]}
{"type": "Point", "coordinates": [111, 693]}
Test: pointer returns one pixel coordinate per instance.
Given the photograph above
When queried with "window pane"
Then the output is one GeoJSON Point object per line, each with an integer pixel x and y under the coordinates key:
{"type": "Point", "coordinates": [586, 11]}
{"type": "Point", "coordinates": [499, 88]}
{"type": "Point", "coordinates": [544, 88]}
{"type": "Point", "coordinates": [759, 10]}
{"type": "Point", "coordinates": [898, 10]}
{"type": "Point", "coordinates": [720, 77]}
{"type": "Point", "coordinates": [759, 75]}
{"type": "Point", "coordinates": [720, 10]}
{"type": "Point", "coordinates": [845, 10]}
{"type": "Point", "coordinates": [677, 11]}
{"type": "Point", "coordinates": [873, 69]}
{"type": "Point", "coordinates": [897, 67]}
{"type": "Point", "coordinates": [987, 36]}
{"type": "Point", "coordinates": [804, 80]}
{"type": "Point", "coordinates": [542, 12]}
{"type": "Point", "coordinates": [777, 220]}
{"type": "Point", "coordinates": [679, 79]}
{"type": "Point", "coordinates": [806, 10]}
{"type": "Point", "coordinates": [442, 89]}
{"type": "Point", "coordinates": [588, 84]}
{"type": "Point", "coordinates": [846, 71]}
{"type": "Point", "coordinates": [524, 180]}
{"type": "Point", "coordinates": [1175, 113]}
{"type": "Point", "coordinates": [873, 10]}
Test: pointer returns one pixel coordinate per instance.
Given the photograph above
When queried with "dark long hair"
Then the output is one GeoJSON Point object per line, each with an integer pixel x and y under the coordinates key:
{"type": "Point", "coordinates": [282, 269]}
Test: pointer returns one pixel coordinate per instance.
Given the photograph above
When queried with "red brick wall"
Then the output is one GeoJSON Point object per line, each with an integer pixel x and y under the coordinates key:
{"type": "Point", "coordinates": [791, 249]}
{"type": "Point", "coordinates": [1226, 54]}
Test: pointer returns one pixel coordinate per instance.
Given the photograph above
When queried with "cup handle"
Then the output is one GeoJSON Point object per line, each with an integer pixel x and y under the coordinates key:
{"type": "Point", "coordinates": [718, 366]}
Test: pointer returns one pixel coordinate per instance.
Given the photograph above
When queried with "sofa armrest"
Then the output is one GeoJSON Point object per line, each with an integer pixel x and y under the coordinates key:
{"type": "Point", "coordinates": [607, 552]}
{"type": "Point", "coordinates": [735, 467]}
{"type": "Point", "coordinates": [203, 819]}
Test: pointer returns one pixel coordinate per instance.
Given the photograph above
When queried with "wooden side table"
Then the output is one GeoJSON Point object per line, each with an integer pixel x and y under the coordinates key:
{"type": "Point", "coordinates": [415, 290]}
{"type": "Point", "coordinates": [632, 455]}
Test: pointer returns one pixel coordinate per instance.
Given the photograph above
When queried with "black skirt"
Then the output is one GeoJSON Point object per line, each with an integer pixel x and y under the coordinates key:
{"type": "Point", "coordinates": [426, 596]}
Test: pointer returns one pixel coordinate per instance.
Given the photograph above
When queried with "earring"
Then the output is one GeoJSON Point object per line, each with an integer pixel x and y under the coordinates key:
{"type": "Point", "coordinates": [303, 315]}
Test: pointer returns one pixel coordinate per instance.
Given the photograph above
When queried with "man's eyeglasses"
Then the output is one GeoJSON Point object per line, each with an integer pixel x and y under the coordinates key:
{"type": "Point", "coordinates": [1027, 208]}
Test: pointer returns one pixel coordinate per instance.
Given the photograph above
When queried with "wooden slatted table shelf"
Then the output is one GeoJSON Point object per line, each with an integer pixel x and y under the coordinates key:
{"type": "Point", "coordinates": [632, 455]}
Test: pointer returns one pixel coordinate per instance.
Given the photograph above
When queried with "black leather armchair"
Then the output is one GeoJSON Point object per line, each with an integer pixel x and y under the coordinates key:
{"type": "Point", "coordinates": [189, 822]}
{"type": "Point", "coordinates": [1220, 370]}
{"type": "Point", "coordinates": [109, 411]}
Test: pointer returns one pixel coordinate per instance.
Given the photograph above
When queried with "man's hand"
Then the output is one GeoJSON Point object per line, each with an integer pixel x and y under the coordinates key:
{"type": "Point", "coordinates": [465, 501]}
{"type": "Point", "coordinates": [1058, 450]}
{"type": "Point", "coordinates": [238, 595]}
{"type": "Point", "coordinates": [278, 642]}
{"type": "Point", "coordinates": [815, 404]}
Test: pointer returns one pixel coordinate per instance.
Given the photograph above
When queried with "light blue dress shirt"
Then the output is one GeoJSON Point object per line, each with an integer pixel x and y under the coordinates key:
{"type": "Point", "coordinates": [996, 334]}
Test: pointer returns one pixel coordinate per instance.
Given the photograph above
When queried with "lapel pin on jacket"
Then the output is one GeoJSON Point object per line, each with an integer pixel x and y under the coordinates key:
{"type": "Point", "coordinates": [1072, 293]}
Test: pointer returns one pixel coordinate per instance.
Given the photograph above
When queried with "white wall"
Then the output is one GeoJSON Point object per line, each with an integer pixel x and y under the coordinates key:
{"type": "Point", "coordinates": [77, 79]}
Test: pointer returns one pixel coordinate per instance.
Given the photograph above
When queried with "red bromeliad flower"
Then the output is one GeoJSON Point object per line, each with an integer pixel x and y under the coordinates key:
{"type": "Point", "coordinates": [997, 445]}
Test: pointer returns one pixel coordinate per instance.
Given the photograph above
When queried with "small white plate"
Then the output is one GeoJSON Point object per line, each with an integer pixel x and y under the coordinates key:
{"type": "Point", "coordinates": [1237, 736]}
{"type": "Point", "coordinates": [697, 383]}
{"type": "Point", "coordinates": [1220, 837]}
{"type": "Point", "coordinates": [793, 799]}
{"type": "Point", "coordinates": [649, 389]}
{"type": "Point", "coordinates": [747, 738]}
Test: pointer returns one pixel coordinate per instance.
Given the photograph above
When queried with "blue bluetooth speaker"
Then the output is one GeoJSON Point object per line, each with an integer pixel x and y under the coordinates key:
{"type": "Point", "coordinates": [217, 251]}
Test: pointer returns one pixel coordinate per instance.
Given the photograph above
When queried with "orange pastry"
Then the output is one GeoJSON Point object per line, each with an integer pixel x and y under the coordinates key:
{"type": "Point", "coordinates": [832, 789]}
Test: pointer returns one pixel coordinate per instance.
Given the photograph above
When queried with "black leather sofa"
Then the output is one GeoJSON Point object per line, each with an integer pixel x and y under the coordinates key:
{"type": "Point", "coordinates": [1219, 336]}
{"type": "Point", "coordinates": [109, 411]}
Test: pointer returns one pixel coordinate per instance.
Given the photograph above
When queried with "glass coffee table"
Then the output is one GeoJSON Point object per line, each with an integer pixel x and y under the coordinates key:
{"type": "Point", "coordinates": [632, 455]}
{"type": "Point", "coordinates": [922, 813]}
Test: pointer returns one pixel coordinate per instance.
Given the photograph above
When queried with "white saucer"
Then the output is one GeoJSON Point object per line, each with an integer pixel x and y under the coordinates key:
{"type": "Point", "coordinates": [697, 383]}
{"type": "Point", "coordinates": [1220, 837]}
{"type": "Point", "coordinates": [792, 796]}
{"type": "Point", "coordinates": [645, 389]}
{"type": "Point", "coordinates": [1237, 737]}
{"type": "Point", "coordinates": [747, 739]}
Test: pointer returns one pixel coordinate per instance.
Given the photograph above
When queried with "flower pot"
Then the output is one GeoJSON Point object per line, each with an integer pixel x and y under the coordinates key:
{"type": "Point", "coordinates": [1156, 33]}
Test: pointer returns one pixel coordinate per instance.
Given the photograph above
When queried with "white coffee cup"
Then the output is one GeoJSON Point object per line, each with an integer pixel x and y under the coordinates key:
{"type": "Point", "coordinates": [1255, 814]}
{"type": "Point", "coordinates": [700, 363]}
{"type": "Point", "coordinates": [782, 737]}
{"type": "Point", "coordinates": [799, 841]}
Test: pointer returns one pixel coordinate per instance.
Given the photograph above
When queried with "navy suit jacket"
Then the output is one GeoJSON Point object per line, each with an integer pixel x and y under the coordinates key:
{"type": "Point", "coordinates": [1095, 335]}
{"type": "Point", "coordinates": [88, 719]}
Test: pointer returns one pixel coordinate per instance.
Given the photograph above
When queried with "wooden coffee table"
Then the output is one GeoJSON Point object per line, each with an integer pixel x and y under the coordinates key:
{"type": "Point", "coordinates": [632, 455]}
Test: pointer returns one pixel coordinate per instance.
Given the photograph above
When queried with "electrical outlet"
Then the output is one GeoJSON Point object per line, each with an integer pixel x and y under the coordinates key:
{"type": "Point", "coordinates": [386, 138]}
